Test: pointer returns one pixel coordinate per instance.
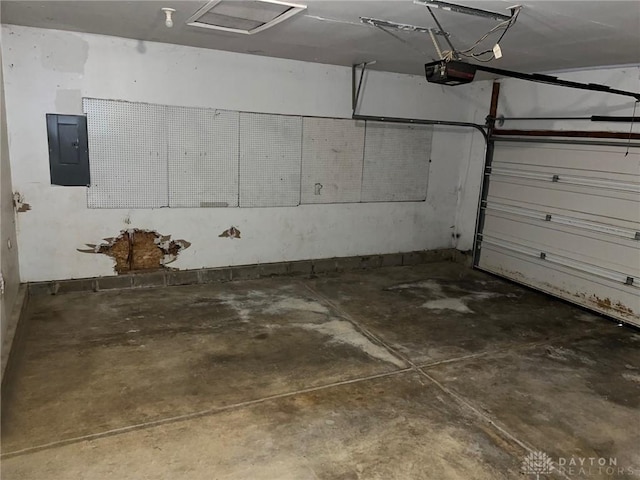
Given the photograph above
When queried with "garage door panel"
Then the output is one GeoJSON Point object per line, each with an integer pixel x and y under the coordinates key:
{"type": "Point", "coordinates": [624, 228]}
{"type": "Point", "coordinates": [569, 200]}
{"type": "Point", "coordinates": [594, 188]}
{"type": "Point", "coordinates": [588, 247]}
{"type": "Point", "coordinates": [619, 181]}
{"type": "Point", "coordinates": [605, 296]}
{"type": "Point", "coordinates": [597, 159]}
{"type": "Point", "coordinates": [566, 220]}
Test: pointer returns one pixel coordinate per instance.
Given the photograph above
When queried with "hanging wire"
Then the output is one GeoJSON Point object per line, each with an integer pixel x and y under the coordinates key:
{"type": "Point", "coordinates": [468, 52]}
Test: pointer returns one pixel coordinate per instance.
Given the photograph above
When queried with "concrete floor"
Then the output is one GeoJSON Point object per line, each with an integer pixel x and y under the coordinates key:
{"type": "Point", "coordinates": [427, 372]}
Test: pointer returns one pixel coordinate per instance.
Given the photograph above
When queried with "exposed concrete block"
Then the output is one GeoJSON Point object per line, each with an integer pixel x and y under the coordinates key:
{"type": "Point", "coordinates": [79, 285]}
{"type": "Point", "coordinates": [184, 277]}
{"type": "Point", "coordinates": [442, 255]}
{"type": "Point", "coordinates": [43, 288]}
{"type": "Point", "coordinates": [301, 268]}
{"type": "Point", "coordinates": [412, 258]}
{"type": "Point", "coordinates": [325, 265]}
{"type": "Point", "coordinates": [371, 261]}
{"type": "Point", "coordinates": [245, 272]}
{"type": "Point", "coordinates": [214, 275]}
{"type": "Point", "coordinates": [428, 256]}
{"type": "Point", "coordinates": [349, 263]}
{"type": "Point", "coordinates": [271, 269]}
{"type": "Point", "coordinates": [391, 260]}
{"type": "Point", "coordinates": [155, 279]}
{"type": "Point", "coordinates": [109, 283]}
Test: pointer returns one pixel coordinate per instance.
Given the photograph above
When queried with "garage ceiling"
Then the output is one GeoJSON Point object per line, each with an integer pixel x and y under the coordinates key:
{"type": "Point", "coordinates": [548, 36]}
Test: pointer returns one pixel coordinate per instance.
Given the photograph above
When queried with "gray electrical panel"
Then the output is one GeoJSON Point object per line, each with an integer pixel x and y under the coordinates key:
{"type": "Point", "coordinates": [68, 150]}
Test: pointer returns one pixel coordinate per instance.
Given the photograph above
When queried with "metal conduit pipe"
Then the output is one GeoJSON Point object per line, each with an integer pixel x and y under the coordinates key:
{"type": "Point", "coordinates": [418, 121]}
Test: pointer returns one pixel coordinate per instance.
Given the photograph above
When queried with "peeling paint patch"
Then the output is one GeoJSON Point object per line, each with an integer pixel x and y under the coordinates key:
{"type": "Point", "coordinates": [19, 204]}
{"type": "Point", "coordinates": [232, 232]}
{"type": "Point", "coordinates": [139, 250]}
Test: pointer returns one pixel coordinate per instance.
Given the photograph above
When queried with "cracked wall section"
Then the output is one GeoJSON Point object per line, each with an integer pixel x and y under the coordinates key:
{"type": "Point", "coordinates": [137, 250]}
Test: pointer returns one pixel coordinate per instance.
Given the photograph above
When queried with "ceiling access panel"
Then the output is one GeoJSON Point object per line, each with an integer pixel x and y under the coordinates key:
{"type": "Point", "coordinates": [246, 17]}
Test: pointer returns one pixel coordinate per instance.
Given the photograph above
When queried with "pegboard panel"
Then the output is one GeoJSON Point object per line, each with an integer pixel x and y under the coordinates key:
{"type": "Point", "coordinates": [332, 156]}
{"type": "Point", "coordinates": [396, 162]}
{"type": "Point", "coordinates": [127, 154]}
{"type": "Point", "coordinates": [270, 160]}
{"type": "Point", "coordinates": [203, 157]}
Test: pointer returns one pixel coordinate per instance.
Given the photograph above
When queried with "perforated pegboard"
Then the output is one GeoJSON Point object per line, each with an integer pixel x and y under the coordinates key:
{"type": "Point", "coordinates": [270, 160]}
{"type": "Point", "coordinates": [332, 155]}
{"type": "Point", "coordinates": [396, 162]}
{"type": "Point", "coordinates": [127, 154]}
{"type": "Point", "coordinates": [203, 157]}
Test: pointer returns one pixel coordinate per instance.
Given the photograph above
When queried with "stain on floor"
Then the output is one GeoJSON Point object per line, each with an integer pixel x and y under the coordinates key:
{"type": "Point", "coordinates": [424, 372]}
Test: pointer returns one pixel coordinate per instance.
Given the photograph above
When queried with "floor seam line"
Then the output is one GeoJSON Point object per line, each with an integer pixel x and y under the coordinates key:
{"type": "Point", "coordinates": [194, 415]}
{"type": "Point", "coordinates": [366, 332]}
{"type": "Point", "coordinates": [462, 401]}
{"type": "Point", "coordinates": [500, 351]}
{"type": "Point", "coordinates": [490, 421]}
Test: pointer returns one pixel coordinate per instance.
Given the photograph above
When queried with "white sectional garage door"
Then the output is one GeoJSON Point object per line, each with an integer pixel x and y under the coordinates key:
{"type": "Point", "coordinates": [565, 219]}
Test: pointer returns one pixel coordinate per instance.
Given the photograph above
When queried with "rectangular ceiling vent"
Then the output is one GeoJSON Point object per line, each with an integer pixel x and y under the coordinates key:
{"type": "Point", "coordinates": [247, 16]}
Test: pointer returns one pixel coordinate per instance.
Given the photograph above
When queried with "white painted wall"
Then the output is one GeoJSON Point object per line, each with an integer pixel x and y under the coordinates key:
{"type": "Point", "coordinates": [49, 71]}
{"type": "Point", "coordinates": [8, 243]}
{"type": "Point", "coordinates": [526, 99]}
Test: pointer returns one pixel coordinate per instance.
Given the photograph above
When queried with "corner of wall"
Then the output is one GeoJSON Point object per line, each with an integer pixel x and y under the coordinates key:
{"type": "Point", "coordinates": [10, 279]}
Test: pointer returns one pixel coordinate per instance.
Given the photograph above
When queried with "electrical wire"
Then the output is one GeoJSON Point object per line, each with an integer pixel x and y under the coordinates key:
{"type": "Point", "coordinates": [468, 52]}
{"type": "Point", "coordinates": [510, 23]}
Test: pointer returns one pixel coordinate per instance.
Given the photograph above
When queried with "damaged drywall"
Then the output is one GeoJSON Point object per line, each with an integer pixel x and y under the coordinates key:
{"type": "Point", "coordinates": [232, 232]}
{"type": "Point", "coordinates": [139, 250]}
{"type": "Point", "coordinates": [19, 204]}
